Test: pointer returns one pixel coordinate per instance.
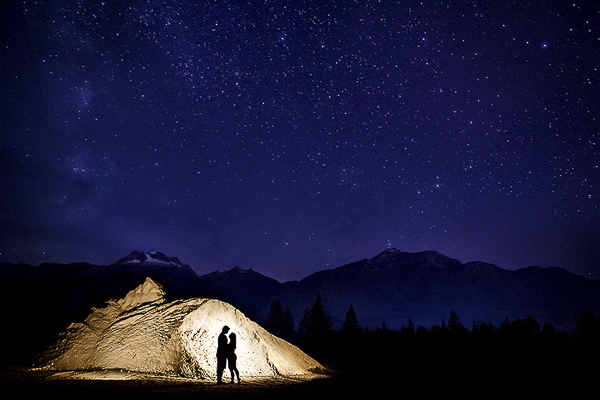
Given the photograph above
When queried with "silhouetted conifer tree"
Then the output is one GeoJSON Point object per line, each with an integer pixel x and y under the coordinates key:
{"type": "Point", "coordinates": [350, 326]}
{"type": "Point", "coordinates": [316, 323]}
{"type": "Point", "coordinates": [455, 327]}
{"type": "Point", "coordinates": [408, 330]}
{"type": "Point", "coordinates": [280, 322]}
{"type": "Point", "coordinates": [288, 323]}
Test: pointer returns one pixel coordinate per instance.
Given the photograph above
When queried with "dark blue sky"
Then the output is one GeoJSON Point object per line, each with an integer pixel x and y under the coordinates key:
{"type": "Point", "coordinates": [294, 136]}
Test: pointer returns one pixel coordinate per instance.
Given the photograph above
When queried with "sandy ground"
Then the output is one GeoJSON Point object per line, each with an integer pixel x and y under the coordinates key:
{"type": "Point", "coordinates": [114, 385]}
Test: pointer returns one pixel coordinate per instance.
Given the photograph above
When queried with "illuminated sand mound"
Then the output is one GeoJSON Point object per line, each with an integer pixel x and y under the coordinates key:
{"type": "Point", "coordinates": [143, 332]}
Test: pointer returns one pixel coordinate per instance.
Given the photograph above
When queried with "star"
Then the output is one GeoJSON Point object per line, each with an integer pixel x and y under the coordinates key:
{"type": "Point", "coordinates": [343, 127]}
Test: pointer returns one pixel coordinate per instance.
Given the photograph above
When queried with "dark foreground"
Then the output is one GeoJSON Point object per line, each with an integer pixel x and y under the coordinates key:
{"type": "Point", "coordinates": [527, 363]}
{"type": "Point", "coordinates": [440, 380]}
{"type": "Point", "coordinates": [29, 384]}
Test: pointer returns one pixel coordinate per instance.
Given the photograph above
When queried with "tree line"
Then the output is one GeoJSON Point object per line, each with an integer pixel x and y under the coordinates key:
{"type": "Point", "coordinates": [518, 342]}
{"type": "Point", "coordinates": [317, 323]}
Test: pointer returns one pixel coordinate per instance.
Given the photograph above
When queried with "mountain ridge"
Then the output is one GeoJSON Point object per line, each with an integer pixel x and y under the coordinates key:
{"type": "Point", "coordinates": [387, 289]}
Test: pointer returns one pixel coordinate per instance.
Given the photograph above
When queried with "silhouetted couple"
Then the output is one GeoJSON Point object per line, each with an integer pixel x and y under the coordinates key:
{"type": "Point", "coordinates": [226, 355]}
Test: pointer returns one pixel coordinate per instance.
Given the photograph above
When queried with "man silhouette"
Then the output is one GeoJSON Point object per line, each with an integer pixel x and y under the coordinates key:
{"type": "Point", "coordinates": [222, 353]}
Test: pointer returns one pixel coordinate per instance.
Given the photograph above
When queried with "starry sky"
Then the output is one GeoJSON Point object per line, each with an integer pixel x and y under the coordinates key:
{"type": "Point", "coordinates": [294, 136]}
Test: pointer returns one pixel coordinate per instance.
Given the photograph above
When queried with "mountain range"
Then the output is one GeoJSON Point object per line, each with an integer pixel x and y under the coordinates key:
{"type": "Point", "coordinates": [388, 289]}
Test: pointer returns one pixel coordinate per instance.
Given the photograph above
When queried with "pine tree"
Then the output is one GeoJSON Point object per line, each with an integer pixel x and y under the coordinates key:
{"type": "Point", "coordinates": [280, 322]}
{"type": "Point", "coordinates": [316, 323]}
{"type": "Point", "coordinates": [288, 324]}
{"type": "Point", "coordinates": [350, 326]}
{"type": "Point", "coordinates": [408, 330]}
{"type": "Point", "coordinates": [455, 327]}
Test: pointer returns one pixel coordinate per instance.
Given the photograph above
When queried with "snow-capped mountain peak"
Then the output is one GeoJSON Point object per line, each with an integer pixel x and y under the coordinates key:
{"type": "Point", "coordinates": [151, 257]}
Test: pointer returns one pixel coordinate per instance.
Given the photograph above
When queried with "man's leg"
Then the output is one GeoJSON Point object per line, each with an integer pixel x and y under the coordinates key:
{"type": "Point", "coordinates": [221, 362]}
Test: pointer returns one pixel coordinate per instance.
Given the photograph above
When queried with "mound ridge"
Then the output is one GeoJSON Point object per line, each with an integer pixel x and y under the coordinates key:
{"type": "Point", "coordinates": [143, 332]}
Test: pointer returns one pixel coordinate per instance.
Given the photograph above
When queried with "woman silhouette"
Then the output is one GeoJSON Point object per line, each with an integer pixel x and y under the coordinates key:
{"type": "Point", "coordinates": [232, 358]}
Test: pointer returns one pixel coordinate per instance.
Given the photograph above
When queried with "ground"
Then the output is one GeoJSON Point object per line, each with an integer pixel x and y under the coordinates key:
{"type": "Point", "coordinates": [114, 385]}
{"type": "Point", "coordinates": [439, 380]}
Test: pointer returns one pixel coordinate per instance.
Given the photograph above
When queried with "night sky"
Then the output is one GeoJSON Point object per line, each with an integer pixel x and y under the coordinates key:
{"type": "Point", "coordinates": [295, 136]}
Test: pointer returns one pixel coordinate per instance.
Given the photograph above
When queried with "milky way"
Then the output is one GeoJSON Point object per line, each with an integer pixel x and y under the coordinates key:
{"type": "Point", "coordinates": [294, 136]}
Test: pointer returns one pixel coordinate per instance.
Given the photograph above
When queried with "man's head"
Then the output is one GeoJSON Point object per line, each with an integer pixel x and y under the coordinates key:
{"type": "Point", "coordinates": [225, 329]}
